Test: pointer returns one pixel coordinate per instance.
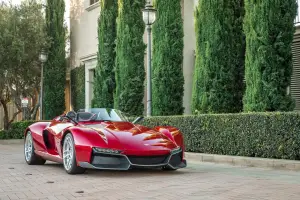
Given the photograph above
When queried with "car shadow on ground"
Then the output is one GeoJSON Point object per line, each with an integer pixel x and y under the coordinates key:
{"type": "Point", "coordinates": [121, 173]}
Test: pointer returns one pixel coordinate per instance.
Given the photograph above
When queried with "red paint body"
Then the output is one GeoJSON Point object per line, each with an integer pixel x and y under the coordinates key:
{"type": "Point", "coordinates": [130, 138]}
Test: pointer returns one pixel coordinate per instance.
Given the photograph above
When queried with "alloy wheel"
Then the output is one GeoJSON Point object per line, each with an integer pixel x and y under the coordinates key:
{"type": "Point", "coordinates": [28, 147]}
{"type": "Point", "coordinates": [68, 152]}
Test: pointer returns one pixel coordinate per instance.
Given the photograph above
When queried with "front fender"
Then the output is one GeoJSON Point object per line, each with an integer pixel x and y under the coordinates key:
{"type": "Point", "coordinates": [85, 139]}
{"type": "Point", "coordinates": [172, 133]}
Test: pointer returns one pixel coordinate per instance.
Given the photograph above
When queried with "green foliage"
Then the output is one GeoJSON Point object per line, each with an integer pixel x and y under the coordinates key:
{"type": "Point", "coordinates": [16, 130]}
{"type": "Point", "coordinates": [22, 36]}
{"type": "Point", "coordinates": [266, 135]}
{"type": "Point", "coordinates": [168, 80]}
{"type": "Point", "coordinates": [269, 29]}
{"type": "Point", "coordinates": [104, 84]}
{"type": "Point", "coordinates": [78, 88]}
{"type": "Point", "coordinates": [55, 67]}
{"type": "Point", "coordinates": [9, 134]}
{"type": "Point", "coordinates": [218, 79]}
{"type": "Point", "coordinates": [130, 51]}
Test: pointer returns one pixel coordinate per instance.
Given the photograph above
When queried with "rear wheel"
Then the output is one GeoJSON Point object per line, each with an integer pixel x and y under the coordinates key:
{"type": "Point", "coordinates": [30, 157]}
{"type": "Point", "coordinates": [69, 156]}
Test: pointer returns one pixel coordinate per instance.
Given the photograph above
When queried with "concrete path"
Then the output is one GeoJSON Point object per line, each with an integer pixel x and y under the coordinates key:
{"type": "Point", "coordinates": [199, 181]}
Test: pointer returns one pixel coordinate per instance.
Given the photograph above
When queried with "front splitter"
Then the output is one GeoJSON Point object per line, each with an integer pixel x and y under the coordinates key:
{"type": "Point", "coordinates": [87, 165]}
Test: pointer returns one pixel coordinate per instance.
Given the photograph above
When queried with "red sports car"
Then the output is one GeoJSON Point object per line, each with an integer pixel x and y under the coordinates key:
{"type": "Point", "coordinates": [102, 138]}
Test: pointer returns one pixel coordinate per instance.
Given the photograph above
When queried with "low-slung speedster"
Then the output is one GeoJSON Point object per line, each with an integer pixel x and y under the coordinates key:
{"type": "Point", "coordinates": [102, 138]}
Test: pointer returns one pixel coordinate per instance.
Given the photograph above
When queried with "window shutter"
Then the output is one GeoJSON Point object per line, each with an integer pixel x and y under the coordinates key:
{"type": "Point", "coordinates": [295, 81]}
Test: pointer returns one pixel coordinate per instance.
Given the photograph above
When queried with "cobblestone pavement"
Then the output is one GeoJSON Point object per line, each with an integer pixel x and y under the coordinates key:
{"type": "Point", "coordinates": [198, 181]}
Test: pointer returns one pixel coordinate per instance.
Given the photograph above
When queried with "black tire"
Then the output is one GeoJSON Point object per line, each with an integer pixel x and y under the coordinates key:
{"type": "Point", "coordinates": [30, 157]}
{"type": "Point", "coordinates": [167, 168]}
{"type": "Point", "coordinates": [73, 168]}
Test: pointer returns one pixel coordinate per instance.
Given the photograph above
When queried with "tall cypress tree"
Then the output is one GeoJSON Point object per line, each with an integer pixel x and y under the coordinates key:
{"type": "Point", "coordinates": [168, 80]}
{"type": "Point", "coordinates": [55, 67]}
{"type": "Point", "coordinates": [104, 84]}
{"type": "Point", "coordinates": [130, 50]}
{"type": "Point", "coordinates": [218, 79]}
{"type": "Point", "coordinates": [269, 29]}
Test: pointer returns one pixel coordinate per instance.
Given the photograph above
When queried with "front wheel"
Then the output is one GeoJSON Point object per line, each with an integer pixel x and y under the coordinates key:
{"type": "Point", "coordinates": [69, 156]}
{"type": "Point", "coordinates": [30, 157]}
{"type": "Point", "coordinates": [168, 168]}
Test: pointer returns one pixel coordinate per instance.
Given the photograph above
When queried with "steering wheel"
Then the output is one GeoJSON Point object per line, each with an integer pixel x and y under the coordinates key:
{"type": "Point", "coordinates": [71, 115]}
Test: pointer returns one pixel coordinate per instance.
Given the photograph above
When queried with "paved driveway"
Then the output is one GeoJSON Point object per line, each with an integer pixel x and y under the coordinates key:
{"type": "Point", "coordinates": [198, 181]}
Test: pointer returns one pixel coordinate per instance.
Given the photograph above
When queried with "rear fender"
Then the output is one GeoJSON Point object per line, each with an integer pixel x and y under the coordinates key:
{"type": "Point", "coordinates": [84, 140]}
{"type": "Point", "coordinates": [36, 130]}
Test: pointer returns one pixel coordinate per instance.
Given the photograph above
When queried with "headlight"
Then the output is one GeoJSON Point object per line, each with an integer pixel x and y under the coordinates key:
{"type": "Point", "coordinates": [176, 150]}
{"type": "Point", "coordinates": [100, 150]}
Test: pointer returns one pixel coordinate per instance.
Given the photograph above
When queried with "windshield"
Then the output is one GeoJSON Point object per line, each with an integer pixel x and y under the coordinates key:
{"type": "Point", "coordinates": [101, 114]}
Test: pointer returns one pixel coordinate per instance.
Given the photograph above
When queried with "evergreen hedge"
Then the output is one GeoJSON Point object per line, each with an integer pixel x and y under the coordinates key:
{"type": "Point", "coordinates": [16, 130]}
{"type": "Point", "coordinates": [219, 69]}
{"type": "Point", "coordinates": [266, 135]}
{"type": "Point", "coordinates": [168, 80]}
{"type": "Point", "coordinates": [104, 84]}
{"type": "Point", "coordinates": [78, 88]}
{"type": "Point", "coordinates": [55, 67]}
{"type": "Point", "coordinates": [269, 29]}
{"type": "Point", "coordinates": [130, 51]}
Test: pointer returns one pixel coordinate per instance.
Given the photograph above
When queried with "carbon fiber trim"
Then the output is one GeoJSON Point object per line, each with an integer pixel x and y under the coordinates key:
{"type": "Point", "coordinates": [123, 162]}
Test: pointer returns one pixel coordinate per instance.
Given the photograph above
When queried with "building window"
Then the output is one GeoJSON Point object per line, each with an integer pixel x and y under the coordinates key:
{"type": "Point", "coordinates": [297, 20]}
{"type": "Point", "coordinates": [93, 2]}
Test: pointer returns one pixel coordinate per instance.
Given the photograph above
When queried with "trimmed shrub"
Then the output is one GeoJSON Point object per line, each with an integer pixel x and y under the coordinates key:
{"type": "Point", "coordinates": [219, 68]}
{"type": "Point", "coordinates": [266, 135]}
{"type": "Point", "coordinates": [8, 135]}
{"type": "Point", "coordinates": [269, 28]}
{"type": "Point", "coordinates": [104, 83]}
{"type": "Point", "coordinates": [168, 77]}
{"type": "Point", "coordinates": [78, 88]}
{"type": "Point", "coordinates": [16, 130]}
{"type": "Point", "coordinates": [130, 53]}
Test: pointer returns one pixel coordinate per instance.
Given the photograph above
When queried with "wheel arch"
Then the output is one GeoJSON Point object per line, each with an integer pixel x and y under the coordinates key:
{"type": "Point", "coordinates": [84, 141]}
{"type": "Point", "coordinates": [64, 136]}
{"type": "Point", "coordinates": [26, 132]}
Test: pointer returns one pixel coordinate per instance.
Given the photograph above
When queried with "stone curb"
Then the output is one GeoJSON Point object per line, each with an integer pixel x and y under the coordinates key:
{"type": "Point", "coordinates": [293, 165]}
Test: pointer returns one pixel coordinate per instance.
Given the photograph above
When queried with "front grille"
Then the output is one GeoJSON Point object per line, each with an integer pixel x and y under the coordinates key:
{"type": "Point", "coordinates": [109, 161]}
{"type": "Point", "coordinates": [176, 159]}
{"type": "Point", "coordinates": [148, 160]}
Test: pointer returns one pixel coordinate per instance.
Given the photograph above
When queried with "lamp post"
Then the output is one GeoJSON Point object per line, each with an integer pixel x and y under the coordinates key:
{"type": "Point", "coordinates": [149, 17]}
{"type": "Point", "coordinates": [43, 58]}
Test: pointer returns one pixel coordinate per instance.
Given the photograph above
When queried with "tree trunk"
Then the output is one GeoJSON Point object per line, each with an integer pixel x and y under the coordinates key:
{"type": "Point", "coordinates": [5, 118]}
{"type": "Point", "coordinates": [34, 112]}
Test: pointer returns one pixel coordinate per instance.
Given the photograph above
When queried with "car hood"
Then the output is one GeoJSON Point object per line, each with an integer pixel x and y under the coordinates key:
{"type": "Point", "coordinates": [134, 138]}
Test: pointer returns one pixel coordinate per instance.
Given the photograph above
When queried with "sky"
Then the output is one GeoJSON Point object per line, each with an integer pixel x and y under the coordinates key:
{"type": "Point", "coordinates": [67, 13]}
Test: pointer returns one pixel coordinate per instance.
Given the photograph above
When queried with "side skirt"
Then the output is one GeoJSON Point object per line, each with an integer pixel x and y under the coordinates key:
{"type": "Point", "coordinates": [47, 156]}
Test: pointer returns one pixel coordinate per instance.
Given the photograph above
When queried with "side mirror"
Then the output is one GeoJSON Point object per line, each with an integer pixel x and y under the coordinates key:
{"type": "Point", "coordinates": [138, 120]}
